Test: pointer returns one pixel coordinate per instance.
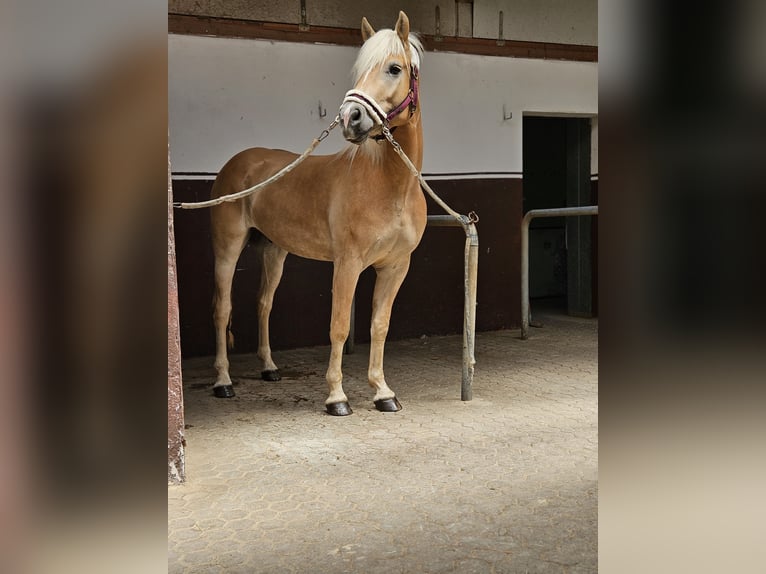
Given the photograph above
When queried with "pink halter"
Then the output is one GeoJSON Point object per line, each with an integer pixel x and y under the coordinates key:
{"type": "Point", "coordinates": [374, 109]}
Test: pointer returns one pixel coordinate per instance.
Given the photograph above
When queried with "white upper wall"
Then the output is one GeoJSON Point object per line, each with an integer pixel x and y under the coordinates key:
{"type": "Point", "coordinates": [229, 94]}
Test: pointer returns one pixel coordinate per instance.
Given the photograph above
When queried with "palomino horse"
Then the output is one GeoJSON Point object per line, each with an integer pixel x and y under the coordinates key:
{"type": "Point", "coordinates": [357, 208]}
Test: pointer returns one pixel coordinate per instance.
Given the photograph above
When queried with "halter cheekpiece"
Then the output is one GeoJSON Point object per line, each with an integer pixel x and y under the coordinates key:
{"type": "Point", "coordinates": [376, 112]}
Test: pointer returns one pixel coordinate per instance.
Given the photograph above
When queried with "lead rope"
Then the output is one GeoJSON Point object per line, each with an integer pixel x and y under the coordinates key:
{"type": "Point", "coordinates": [464, 220]}
{"type": "Point", "coordinates": [282, 172]}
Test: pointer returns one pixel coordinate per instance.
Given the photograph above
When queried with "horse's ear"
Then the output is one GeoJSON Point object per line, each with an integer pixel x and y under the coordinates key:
{"type": "Point", "coordinates": [367, 30]}
{"type": "Point", "coordinates": [403, 28]}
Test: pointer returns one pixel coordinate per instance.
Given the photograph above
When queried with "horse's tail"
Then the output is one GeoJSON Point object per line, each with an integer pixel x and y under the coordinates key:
{"type": "Point", "coordinates": [229, 335]}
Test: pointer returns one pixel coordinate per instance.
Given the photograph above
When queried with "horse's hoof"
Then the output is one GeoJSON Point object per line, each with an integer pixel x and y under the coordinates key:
{"type": "Point", "coordinates": [339, 409]}
{"type": "Point", "coordinates": [271, 375]}
{"type": "Point", "coordinates": [223, 391]}
{"type": "Point", "coordinates": [388, 405]}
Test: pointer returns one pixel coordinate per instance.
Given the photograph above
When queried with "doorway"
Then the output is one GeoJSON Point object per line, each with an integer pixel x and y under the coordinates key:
{"type": "Point", "coordinates": [556, 170]}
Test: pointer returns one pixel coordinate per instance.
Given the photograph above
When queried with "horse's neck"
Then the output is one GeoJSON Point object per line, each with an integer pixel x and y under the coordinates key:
{"type": "Point", "coordinates": [410, 138]}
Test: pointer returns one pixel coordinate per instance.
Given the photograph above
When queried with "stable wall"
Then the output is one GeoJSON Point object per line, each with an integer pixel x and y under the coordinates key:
{"type": "Point", "coordinates": [559, 21]}
{"type": "Point", "coordinates": [229, 94]}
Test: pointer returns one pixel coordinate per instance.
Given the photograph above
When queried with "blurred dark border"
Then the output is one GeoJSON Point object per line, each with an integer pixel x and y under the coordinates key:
{"type": "Point", "coordinates": [682, 377]}
{"type": "Point", "coordinates": [84, 147]}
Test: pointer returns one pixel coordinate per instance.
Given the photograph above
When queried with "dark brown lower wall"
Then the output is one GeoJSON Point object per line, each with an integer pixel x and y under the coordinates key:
{"type": "Point", "coordinates": [430, 301]}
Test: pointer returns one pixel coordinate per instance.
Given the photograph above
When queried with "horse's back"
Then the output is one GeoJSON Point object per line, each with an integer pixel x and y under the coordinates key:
{"type": "Point", "coordinates": [249, 167]}
{"type": "Point", "coordinates": [245, 169]}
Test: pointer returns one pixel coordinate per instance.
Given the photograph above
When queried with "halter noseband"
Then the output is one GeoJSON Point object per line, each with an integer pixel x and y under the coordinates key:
{"type": "Point", "coordinates": [376, 112]}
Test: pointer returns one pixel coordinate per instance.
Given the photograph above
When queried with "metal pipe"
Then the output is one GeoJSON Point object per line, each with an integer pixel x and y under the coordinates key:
{"type": "Point", "coordinates": [469, 311]}
{"type": "Point", "coordinates": [528, 217]}
{"type": "Point", "coordinates": [470, 275]}
{"type": "Point", "coordinates": [443, 221]}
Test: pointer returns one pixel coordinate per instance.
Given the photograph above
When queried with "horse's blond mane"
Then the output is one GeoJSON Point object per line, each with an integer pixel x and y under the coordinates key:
{"type": "Point", "coordinates": [381, 46]}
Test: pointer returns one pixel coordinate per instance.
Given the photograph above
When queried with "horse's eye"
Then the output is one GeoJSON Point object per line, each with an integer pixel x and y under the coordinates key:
{"type": "Point", "coordinates": [394, 69]}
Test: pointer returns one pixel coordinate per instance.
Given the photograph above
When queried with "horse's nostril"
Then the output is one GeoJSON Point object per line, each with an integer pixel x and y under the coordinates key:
{"type": "Point", "coordinates": [356, 115]}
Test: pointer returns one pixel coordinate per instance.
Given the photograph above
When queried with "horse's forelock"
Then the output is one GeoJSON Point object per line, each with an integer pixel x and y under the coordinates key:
{"type": "Point", "coordinates": [381, 46]}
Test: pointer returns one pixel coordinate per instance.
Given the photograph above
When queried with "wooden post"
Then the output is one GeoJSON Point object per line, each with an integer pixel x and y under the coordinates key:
{"type": "Point", "coordinates": [176, 441]}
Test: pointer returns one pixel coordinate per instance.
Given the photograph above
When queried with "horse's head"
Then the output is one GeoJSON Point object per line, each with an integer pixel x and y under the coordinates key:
{"type": "Point", "coordinates": [385, 81]}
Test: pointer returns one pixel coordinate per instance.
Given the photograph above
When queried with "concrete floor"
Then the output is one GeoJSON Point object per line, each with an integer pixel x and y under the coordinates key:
{"type": "Point", "coordinates": [506, 483]}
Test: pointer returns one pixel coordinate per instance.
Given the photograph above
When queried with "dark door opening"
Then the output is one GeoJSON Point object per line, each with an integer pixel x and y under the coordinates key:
{"type": "Point", "coordinates": [556, 164]}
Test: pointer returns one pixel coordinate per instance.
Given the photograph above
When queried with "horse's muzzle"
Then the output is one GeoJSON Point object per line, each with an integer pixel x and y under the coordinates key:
{"type": "Point", "coordinates": [355, 122]}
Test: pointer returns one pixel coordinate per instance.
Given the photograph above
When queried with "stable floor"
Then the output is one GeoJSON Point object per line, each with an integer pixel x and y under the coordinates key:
{"type": "Point", "coordinates": [505, 483]}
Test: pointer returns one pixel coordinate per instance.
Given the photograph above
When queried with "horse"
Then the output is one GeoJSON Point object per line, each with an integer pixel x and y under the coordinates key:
{"type": "Point", "coordinates": [358, 208]}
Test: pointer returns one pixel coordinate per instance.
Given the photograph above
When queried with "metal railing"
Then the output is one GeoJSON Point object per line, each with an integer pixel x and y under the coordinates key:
{"type": "Point", "coordinates": [528, 217]}
{"type": "Point", "coordinates": [470, 274]}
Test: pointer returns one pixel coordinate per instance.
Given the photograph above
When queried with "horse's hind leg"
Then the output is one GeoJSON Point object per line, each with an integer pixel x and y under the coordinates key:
{"type": "Point", "coordinates": [271, 274]}
{"type": "Point", "coordinates": [228, 242]}
{"type": "Point", "coordinates": [387, 285]}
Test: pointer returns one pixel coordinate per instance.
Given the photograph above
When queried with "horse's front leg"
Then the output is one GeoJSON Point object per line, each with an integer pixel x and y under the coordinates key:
{"type": "Point", "coordinates": [387, 285]}
{"type": "Point", "coordinates": [345, 277]}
